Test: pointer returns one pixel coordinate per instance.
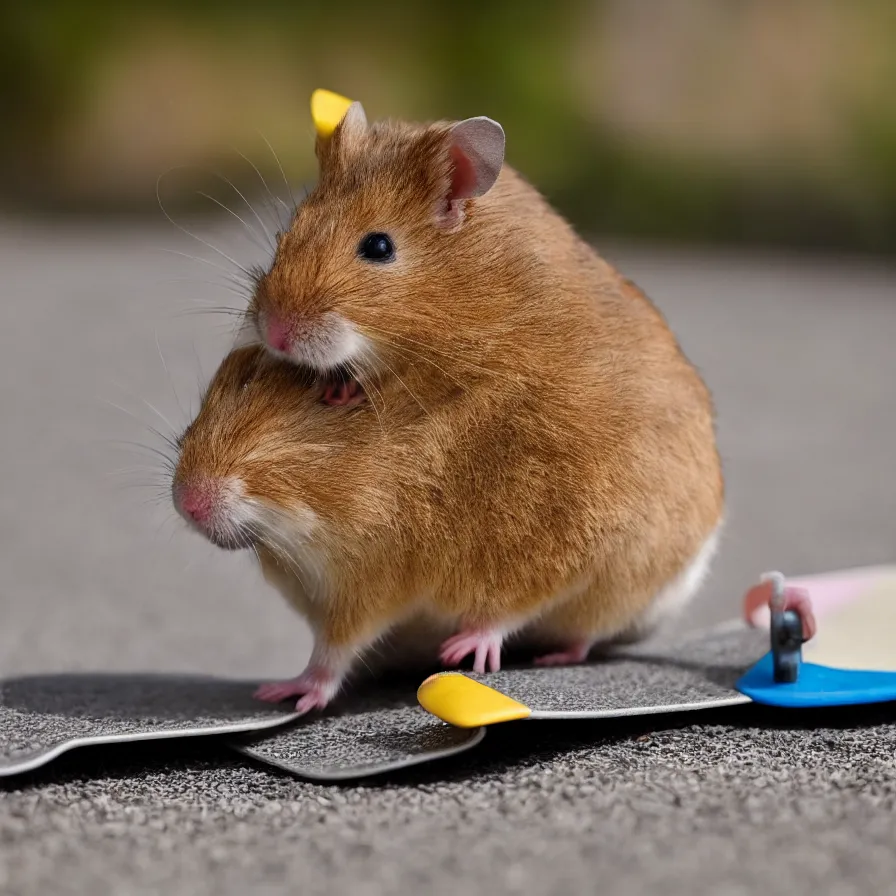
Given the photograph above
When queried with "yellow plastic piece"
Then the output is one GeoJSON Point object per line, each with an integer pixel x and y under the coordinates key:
{"type": "Point", "coordinates": [464, 703]}
{"type": "Point", "coordinates": [327, 110]}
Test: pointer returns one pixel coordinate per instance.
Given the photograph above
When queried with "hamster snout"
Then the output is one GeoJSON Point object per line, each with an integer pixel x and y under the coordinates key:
{"type": "Point", "coordinates": [212, 506]}
{"type": "Point", "coordinates": [263, 453]}
{"type": "Point", "coordinates": [323, 342]}
{"type": "Point", "coordinates": [278, 337]}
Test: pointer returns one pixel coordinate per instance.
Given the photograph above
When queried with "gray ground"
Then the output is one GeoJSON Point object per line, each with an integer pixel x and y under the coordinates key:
{"type": "Point", "coordinates": [800, 357]}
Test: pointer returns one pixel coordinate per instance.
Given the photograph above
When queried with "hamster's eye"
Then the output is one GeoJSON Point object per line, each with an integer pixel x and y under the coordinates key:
{"type": "Point", "coordinates": [376, 247]}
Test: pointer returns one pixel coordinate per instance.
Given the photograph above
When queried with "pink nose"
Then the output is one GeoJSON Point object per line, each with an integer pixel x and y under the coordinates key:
{"type": "Point", "coordinates": [196, 503]}
{"type": "Point", "coordinates": [278, 336]}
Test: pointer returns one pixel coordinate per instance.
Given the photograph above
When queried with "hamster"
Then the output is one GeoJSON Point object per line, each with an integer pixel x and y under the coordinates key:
{"type": "Point", "coordinates": [464, 412]}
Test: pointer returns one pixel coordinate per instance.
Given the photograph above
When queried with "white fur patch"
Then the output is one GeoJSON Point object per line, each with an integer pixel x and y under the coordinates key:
{"type": "Point", "coordinates": [673, 597]}
{"type": "Point", "coordinates": [329, 342]}
{"type": "Point", "coordinates": [239, 519]}
{"type": "Point", "coordinates": [287, 533]}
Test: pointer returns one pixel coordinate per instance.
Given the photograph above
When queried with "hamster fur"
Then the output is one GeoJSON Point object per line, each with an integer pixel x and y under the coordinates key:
{"type": "Point", "coordinates": [525, 450]}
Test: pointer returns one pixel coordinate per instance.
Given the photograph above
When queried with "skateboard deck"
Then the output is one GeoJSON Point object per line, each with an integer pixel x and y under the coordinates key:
{"type": "Point", "coordinates": [44, 716]}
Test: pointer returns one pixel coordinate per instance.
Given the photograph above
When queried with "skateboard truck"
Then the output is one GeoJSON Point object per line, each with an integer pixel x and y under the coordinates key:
{"type": "Point", "coordinates": [786, 635]}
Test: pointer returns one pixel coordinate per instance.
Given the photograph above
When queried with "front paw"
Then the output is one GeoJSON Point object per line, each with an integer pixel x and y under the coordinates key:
{"type": "Point", "coordinates": [485, 646]}
{"type": "Point", "coordinates": [315, 687]}
{"type": "Point", "coordinates": [319, 697]}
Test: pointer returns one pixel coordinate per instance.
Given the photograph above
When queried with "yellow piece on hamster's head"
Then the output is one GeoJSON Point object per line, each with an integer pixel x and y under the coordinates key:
{"type": "Point", "coordinates": [327, 110]}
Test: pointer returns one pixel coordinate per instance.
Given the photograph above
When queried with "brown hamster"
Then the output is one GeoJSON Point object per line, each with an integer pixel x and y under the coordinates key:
{"type": "Point", "coordinates": [518, 445]}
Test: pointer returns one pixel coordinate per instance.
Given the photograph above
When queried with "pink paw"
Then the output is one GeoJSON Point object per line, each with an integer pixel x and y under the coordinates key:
{"type": "Point", "coordinates": [484, 645]}
{"type": "Point", "coordinates": [275, 691]}
{"type": "Point", "coordinates": [314, 687]}
{"type": "Point", "coordinates": [578, 653]}
{"type": "Point", "coordinates": [318, 697]}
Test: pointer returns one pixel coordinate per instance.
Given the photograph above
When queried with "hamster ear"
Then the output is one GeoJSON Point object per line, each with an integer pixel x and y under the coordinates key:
{"type": "Point", "coordinates": [353, 124]}
{"type": "Point", "coordinates": [337, 120]}
{"type": "Point", "coordinates": [476, 151]}
{"type": "Point", "coordinates": [327, 110]}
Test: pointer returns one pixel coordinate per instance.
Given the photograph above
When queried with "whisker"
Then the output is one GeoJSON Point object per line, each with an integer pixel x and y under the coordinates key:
{"type": "Point", "coordinates": [180, 406]}
{"type": "Point", "coordinates": [154, 502]}
{"type": "Point", "coordinates": [359, 374]}
{"type": "Point", "coordinates": [289, 192]}
{"type": "Point", "coordinates": [200, 376]}
{"type": "Point", "coordinates": [447, 355]}
{"type": "Point", "coordinates": [246, 334]}
{"type": "Point", "coordinates": [230, 274]}
{"type": "Point", "coordinates": [169, 463]}
{"type": "Point", "coordinates": [130, 471]}
{"type": "Point", "coordinates": [166, 439]}
{"type": "Point", "coordinates": [372, 390]}
{"type": "Point", "coordinates": [212, 309]}
{"type": "Point", "coordinates": [264, 183]}
{"type": "Point", "coordinates": [237, 292]}
{"type": "Point", "coordinates": [285, 551]}
{"type": "Point", "coordinates": [164, 523]}
{"type": "Point", "coordinates": [251, 230]}
{"type": "Point", "coordinates": [405, 352]}
{"type": "Point", "coordinates": [233, 186]}
{"type": "Point", "coordinates": [281, 551]}
{"type": "Point", "coordinates": [407, 388]}
{"type": "Point", "coordinates": [360, 657]}
{"type": "Point", "coordinates": [164, 420]}
{"type": "Point", "coordinates": [184, 230]}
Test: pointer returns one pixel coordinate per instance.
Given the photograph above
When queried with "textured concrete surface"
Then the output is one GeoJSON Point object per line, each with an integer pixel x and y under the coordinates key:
{"type": "Point", "coordinates": [96, 576]}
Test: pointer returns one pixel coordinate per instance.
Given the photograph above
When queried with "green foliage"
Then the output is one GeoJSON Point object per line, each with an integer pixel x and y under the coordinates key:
{"type": "Point", "coordinates": [510, 59]}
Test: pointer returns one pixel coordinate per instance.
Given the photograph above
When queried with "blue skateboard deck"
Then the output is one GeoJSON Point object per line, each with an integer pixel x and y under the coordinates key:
{"type": "Point", "coordinates": [852, 658]}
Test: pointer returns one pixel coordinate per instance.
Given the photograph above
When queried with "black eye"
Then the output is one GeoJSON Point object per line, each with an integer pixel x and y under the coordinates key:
{"type": "Point", "coordinates": [376, 247]}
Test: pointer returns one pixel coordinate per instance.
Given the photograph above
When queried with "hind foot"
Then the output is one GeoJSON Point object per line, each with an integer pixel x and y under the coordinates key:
{"type": "Point", "coordinates": [576, 653]}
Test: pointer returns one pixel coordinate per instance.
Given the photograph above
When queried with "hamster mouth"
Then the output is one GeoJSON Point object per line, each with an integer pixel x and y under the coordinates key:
{"type": "Point", "coordinates": [341, 389]}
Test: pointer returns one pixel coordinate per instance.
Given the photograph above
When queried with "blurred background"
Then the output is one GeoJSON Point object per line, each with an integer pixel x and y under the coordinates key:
{"type": "Point", "coordinates": [737, 159]}
{"type": "Point", "coordinates": [691, 120]}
